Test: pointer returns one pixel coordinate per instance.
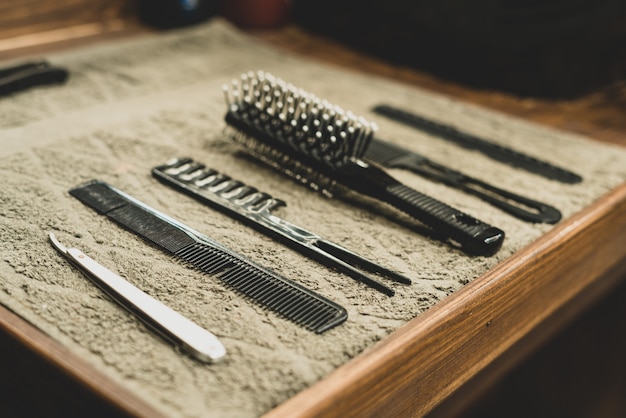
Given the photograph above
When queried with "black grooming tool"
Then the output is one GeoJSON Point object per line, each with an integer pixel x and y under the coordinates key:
{"type": "Point", "coordinates": [321, 145]}
{"type": "Point", "coordinates": [394, 156]}
{"type": "Point", "coordinates": [287, 298]}
{"type": "Point", "coordinates": [492, 150]}
{"type": "Point", "coordinates": [254, 208]}
{"type": "Point", "coordinates": [24, 76]}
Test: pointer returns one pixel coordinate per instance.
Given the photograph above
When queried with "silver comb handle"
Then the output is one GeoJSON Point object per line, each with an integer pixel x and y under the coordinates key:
{"type": "Point", "coordinates": [190, 337]}
{"type": "Point", "coordinates": [254, 208]}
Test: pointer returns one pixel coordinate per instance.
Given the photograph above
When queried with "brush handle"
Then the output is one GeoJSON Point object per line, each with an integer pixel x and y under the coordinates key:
{"type": "Point", "coordinates": [472, 235]}
{"type": "Point", "coordinates": [460, 229]}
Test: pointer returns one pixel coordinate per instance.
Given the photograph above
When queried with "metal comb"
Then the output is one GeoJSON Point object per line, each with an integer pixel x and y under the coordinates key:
{"type": "Point", "coordinates": [254, 208]}
{"type": "Point", "coordinates": [263, 286]}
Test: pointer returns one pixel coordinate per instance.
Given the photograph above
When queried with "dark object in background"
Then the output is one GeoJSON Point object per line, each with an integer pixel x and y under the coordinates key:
{"type": "Point", "coordinates": [256, 13]}
{"type": "Point", "coordinates": [547, 48]}
{"type": "Point", "coordinates": [30, 74]}
{"type": "Point", "coordinates": [167, 14]}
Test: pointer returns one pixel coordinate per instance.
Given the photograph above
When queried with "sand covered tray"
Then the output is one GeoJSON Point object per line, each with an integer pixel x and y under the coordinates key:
{"type": "Point", "coordinates": [129, 106]}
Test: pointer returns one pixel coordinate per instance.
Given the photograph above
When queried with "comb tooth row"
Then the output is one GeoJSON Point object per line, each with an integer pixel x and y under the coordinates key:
{"type": "Point", "coordinates": [299, 119]}
{"type": "Point", "coordinates": [272, 291]}
{"type": "Point", "coordinates": [260, 286]}
{"type": "Point", "coordinates": [383, 153]}
{"type": "Point", "coordinates": [235, 191]}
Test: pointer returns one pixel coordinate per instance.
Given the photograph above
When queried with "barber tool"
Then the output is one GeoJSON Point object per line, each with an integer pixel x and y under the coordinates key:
{"type": "Point", "coordinates": [254, 208]}
{"type": "Point", "coordinates": [190, 337]}
{"type": "Point", "coordinates": [492, 150]}
{"type": "Point", "coordinates": [393, 156]}
{"type": "Point", "coordinates": [289, 299]}
{"type": "Point", "coordinates": [31, 74]}
{"type": "Point", "coordinates": [321, 145]}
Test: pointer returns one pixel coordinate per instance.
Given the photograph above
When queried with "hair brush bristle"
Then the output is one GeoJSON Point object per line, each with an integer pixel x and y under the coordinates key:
{"type": "Point", "coordinates": [298, 120]}
{"type": "Point", "coordinates": [320, 145]}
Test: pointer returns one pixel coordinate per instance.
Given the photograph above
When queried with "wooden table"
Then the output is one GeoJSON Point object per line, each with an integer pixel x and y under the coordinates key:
{"type": "Point", "coordinates": [438, 362]}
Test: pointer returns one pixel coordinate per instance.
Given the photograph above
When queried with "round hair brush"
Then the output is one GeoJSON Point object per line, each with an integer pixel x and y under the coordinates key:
{"type": "Point", "coordinates": [320, 144]}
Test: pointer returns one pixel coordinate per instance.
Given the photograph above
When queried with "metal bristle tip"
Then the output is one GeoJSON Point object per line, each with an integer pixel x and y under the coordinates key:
{"type": "Point", "coordinates": [303, 136]}
{"type": "Point", "coordinates": [301, 122]}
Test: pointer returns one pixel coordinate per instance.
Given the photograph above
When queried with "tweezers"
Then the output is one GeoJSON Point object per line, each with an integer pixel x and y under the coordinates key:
{"type": "Point", "coordinates": [185, 334]}
{"type": "Point", "coordinates": [253, 207]}
{"type": "Point", "coordinates": [31, 74]}
{"type": "Point", "coordinates": [393, 156]}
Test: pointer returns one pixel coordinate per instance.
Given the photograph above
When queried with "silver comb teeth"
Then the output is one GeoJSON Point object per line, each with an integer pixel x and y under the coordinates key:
{"type": "Point", "coordinates": [299, 119]}
{"type": "Point", "coordinates": [198, 176]}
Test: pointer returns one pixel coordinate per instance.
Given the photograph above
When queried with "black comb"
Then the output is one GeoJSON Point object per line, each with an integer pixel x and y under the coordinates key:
{"type": "Point", "coordinates": [254, 208]}
{"type": "Point", "coordinates": [321, 145]}
{"type": "Point", "coordinates": [492, 150]}
{"type": "Point", "coordinates": [289, 299]}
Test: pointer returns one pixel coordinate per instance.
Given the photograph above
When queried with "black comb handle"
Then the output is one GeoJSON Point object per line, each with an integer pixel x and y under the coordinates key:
{"type": "Point", "coordinates": [470, 234]}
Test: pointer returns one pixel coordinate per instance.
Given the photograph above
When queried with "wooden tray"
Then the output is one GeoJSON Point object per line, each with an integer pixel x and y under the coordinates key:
{"type": "Point", "coordinates": [437, 362]}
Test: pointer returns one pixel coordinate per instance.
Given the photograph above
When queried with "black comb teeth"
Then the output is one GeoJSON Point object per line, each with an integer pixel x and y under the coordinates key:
{"type": "Point", "coordinates": [258, 285]}
{"type": "Point", "coordinates": [289, 299]}
{"type": "Point", "coordinates": [321, 145]}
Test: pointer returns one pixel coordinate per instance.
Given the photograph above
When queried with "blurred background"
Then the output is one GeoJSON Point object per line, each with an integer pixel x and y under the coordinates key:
{"type": "Point", "coordinates": [547, 48]}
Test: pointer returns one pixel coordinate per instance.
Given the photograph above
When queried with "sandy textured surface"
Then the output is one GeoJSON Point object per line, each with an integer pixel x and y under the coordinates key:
{"type": "Point", "coordinates": [130, 106]}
